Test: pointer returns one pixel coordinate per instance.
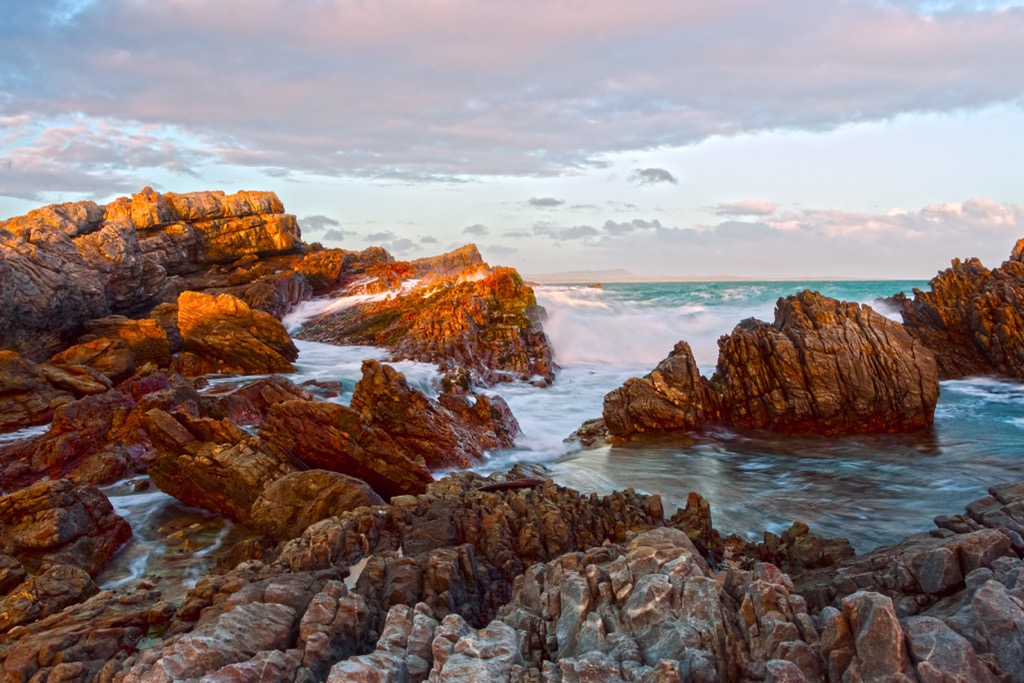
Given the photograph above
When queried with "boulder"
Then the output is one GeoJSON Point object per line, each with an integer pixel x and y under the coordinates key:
{"type": "Point", "coordinates": [147, 340]}
{"type": "Point", "coordinates": [332, 437]}
{"type": "Point", "coordinates": [112, 358]}
{"type": "Point", "coordinates": [287, 506]}
{"type": "Point", "coordinates": [451, 432]}
{"type": "Point", "coordinates": [823, 366]}
{"type": "Point", "coordinates": [972, 318]}
{"type": "Point", "coordinates": [224, 335]}
{"type": "Point", "coordinates": [26, 395]}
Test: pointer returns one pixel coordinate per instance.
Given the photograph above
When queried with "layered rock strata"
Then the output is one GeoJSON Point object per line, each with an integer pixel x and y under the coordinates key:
{"type": "Point", "coordinates": [972, 318]}
{"type": "Point", "coordinates": [452, 310]}
{"type": "Point", "coordinates": [823, 366]}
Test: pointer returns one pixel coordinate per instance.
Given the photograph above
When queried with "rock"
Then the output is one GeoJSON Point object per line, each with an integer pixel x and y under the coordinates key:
{"type": "Point", "coordinates": [147, 340]}
{"type": "Point", "coordinates": [26, 395]}
{"type": "Point", "coordinates": [330, 436]}
{"type": "Point", "coordinates": [824, 366]}
{"type": "Point", "coordinates": [55, 522]}
{"type": "Point", "coordinates": [674, 396]}
{"type": "Point", "coordinates": [43, 594]}
{"type": "Point", "coordinates": [229, 337]}
{"type": "Point", "coordinates": [972, 318]}
{"type": "Point", "coordinates": [326, 268]}
{"type": "Point", "coordinates": [288, 505]}
{"type": "Point", "coordinates": [940, 655]}
{"type": "Point", "coordinates": [880, 652]}
{"type": "Point", "coordinates": [65, 264]}
{"type": "Point", "coordinates": [112, 358]}
{"type": "Point", "coordinates": [485, 320]}
{"type": "Point", "coordinates": [451, 432]}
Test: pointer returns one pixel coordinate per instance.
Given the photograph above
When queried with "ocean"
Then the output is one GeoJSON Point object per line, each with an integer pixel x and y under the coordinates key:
{"type": "Point", "coordinates": [872, 490]}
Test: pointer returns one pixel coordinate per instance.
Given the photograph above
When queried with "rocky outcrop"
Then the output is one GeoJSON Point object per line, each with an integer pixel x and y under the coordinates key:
{"type": "Point", "coordinates": [222, 334]}
{"type": "Point", "coordinates": [823, 366]}
{"type": "Point", "coordinates": [65, 264]}
{"type": "Point", "coordinates": [452, 432]}
{"type": "Point", "coordinates": [30, 393]}
{"type": "Point", "coordinates": [478, 319]}
{"type": "Point", "coordinates": [972, 318]}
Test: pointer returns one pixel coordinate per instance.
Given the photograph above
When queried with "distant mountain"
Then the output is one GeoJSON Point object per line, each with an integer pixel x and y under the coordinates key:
{"type": "Point", "coordinates": [615, 275]}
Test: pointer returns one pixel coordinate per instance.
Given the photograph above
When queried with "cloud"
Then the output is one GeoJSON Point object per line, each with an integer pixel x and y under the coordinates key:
{"type": "Point", "coordinates": [337, 235]}
{"type": "Point", "coordinates": [630, 227]}
{"type": "Point", "coordinates": [576, 232]}
{"type": "Point", "coordinates": [380, 236]}
{"type": "Point", "coordinates": [750, 207]}
{"type": "Point", "coordinates": [499, 250]}
{"type": "Point", "coordinates": [410, 91]}
{"type": "Point", "coordinates": [317, 223]}
{"type": "Point", "coordinates": [517, 234]}
{"type": "Point", "coordinates": [652, 176]}
{"type": "Point", "coordinates": [545, 202]}
{"type": "Point", "coordinates": [477, 230]}
{"type": "Point", "coordinates": [428, 239]}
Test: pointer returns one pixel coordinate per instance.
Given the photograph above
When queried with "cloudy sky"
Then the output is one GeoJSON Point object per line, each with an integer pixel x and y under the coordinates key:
{"type": "Point", "coordinates": [760, 138]}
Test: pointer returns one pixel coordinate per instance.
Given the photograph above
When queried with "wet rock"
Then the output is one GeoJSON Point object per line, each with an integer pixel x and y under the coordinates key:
{"type": "Point", "coordinates": [330, 436]}
{"type": "Point", "coordinates": [971, 318]}
{"type": "Point", "coordinates": [823, 366]}
{"type": "Point", "coordinates": [485, 320]}
{"type": "Point", "coordinates": [451, 432]}
{"type": "Point", "coordinates": [111, 358]}
{"type": "Point", "coordinates": [55, 522]}
{"type": "Point", "coordinates": [224, 335]}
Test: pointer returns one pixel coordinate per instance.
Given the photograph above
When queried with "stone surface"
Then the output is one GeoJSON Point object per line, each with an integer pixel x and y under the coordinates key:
{"type": "Point", "coordinates": [452, 432]}
{"type": "Point", "coordinates": [452, 310]}
{"type": "Point", "coordinates": [112, 358]}
{"type": "Point", "coordinates": [224, 335]}
{"type": "Point", "coordinates": [288, 505]}
{"type": "Point", "coordinates": [972, 318]}
{"type": "Point", "coordinates": [823, 366]}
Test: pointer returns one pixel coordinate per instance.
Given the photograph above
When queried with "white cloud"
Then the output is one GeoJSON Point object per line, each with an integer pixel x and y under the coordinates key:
{"type": "Point", "coordinates": [749, 207]}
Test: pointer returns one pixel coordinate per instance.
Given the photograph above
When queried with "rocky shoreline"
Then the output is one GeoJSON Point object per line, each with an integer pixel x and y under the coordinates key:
{"type": "Point", "coordinates": [365, 567]}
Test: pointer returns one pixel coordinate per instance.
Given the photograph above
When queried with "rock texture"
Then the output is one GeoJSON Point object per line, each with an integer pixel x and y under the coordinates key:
{"type": "Point", "coordinates": [65, 264]}
{"type": "Point", "coordinates": [452, 310]}
{"type": "Point", "coordinates": [972, 318]}
{"type": "Point", "coordinates": [823, 366]}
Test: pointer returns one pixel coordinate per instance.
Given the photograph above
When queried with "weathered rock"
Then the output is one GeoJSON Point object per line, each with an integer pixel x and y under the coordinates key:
{"type": "Point", "coordinates": [451, 432]}
{"type": "Point", "coordinates": [940, 655]}
{"type": "Point", "coordinates": [288, 505]}
{"type": "Point", "coordinates": [147, 340]}
{"type": "Point", "coordinates": [55, 522]}
{"type": "Point", "coordinates": [484, 320]}
{"type": "Point", "coordinates": [972, 318]}
{"type": "Point", "coordinates": [227, 336]}
{"type": "Point", "coordinates": [114, 359]}
{"type": "Point", "coordinates": [824, 366]}
{"type": "Point", "coordinates": [65, 264]}
{"type": "Point", "coordinates": [43, 594]}
{"type": "Point", "coordinates": [330, 436]}
{"type": "Point", "coordinates": [26, 396]}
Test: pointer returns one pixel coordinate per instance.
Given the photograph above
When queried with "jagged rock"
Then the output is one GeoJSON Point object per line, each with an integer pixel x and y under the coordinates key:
{"type": "Point", "coordinates": [147, 340]}
{"type": "Point", "coordinates": [972, 318]}
{"type": "Point", "coordinates": [940, 655]}
{"type": "Point", "coordinates": [824, 366]}
{"type": "Point", "coordinates": [65, 264]}
{"type": "Point", "coordinates": [43, 594]}
{"type": "Point", "coordinates": [112, 358]}
{"type": "Point", "coordinates": [330, 436]}
{"type": "Point", "coordinates": [87, 641]}
{"type": "Point", "coordinates": [225, 335]}
{"type": "Point", "coordinates": [26, 395]}
{"type": "Point", "coordinates": [482, 319]}
{"type": "Point", "coordinates": [55, 522]}
{"type": "Point", "coordinates": [325, 268]}
{"type": "Point", "coordinates": [451, 432]}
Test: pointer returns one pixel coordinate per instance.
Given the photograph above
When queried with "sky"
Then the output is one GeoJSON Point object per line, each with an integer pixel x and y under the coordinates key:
{"type": "Point", "coordinates": [669, 138]}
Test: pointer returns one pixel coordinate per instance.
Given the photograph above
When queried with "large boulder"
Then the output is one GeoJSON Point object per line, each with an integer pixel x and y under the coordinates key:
{"type": "Point", "coordinates": [823, 366]}
{"type": "Point", "coordinates": [452, 310]}
{"type": "Point", "coordinates": [452, 432]}
{"type": "Point", "coordinates": [972, 318]}
{"type": "Point", "coordinates": [30, 393]}
{"type": "Point", "coordinates": [222, 334]}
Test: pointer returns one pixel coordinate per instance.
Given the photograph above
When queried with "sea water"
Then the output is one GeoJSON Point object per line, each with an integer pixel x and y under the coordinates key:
{"type": "Point", "coordinates": [873, 489]}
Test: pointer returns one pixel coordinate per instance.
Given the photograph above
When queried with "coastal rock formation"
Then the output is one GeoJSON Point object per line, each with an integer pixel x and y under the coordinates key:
{"type": "Point", "coordinates": [453, 431]}
{"type": "Point", "coordinates": [222, 334]}
{"type": "Point", "coordinates": [65, 264]}
{"type": "Point", "coordinates": [30, 393]}
{"type": "Point", "coordinates": [823, 366]}
{"type": "Point", "coordinates": [452, 310]}
{"type": "Point", "coordinates": [972, 318]}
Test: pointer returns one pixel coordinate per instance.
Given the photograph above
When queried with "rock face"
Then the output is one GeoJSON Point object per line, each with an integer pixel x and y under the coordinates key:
{"type": "Point", "coordinates": [65, 264]}
{"type": "Point", "coordinates": [823, 366]}
{"type": "Point", "coordinates": [222, 334]}
{"type": "Point", "coordinates": [452, 310]}
{"type": "Point", "coordinates": [972, 318]}
{"type": "Point", "coordinates": [452, 432]}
